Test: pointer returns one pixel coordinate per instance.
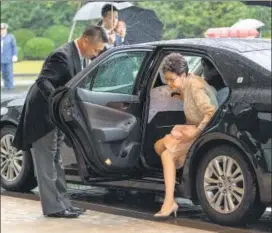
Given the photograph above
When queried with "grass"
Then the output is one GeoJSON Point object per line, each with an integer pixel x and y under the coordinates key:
{"type": "Point", "coordinates": [27, 67]}
{"type": "Point", "coordinates": [32, 77]}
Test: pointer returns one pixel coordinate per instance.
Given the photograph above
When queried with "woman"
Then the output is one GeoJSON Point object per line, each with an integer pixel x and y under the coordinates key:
{"type": "Point", "coordinates": [199, 106]}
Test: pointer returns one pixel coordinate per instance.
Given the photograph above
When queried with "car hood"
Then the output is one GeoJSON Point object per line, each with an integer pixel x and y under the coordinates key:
{"type": "Point", "coordinates": [13, 96]}
{"type": "Point", "coordinates": [13, 99]}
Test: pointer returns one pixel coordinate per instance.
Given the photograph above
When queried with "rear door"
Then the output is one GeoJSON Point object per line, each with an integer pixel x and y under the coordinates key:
{"type": "Point", "coordinates": [102, 112]}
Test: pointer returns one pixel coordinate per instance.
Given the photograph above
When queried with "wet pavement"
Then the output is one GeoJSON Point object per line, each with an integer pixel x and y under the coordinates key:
{"type": "Point", "coordinates": [135, 207]}
{"type": "Point", "coordinates": [14, 92]}
{"type": "Point", "coordinates": [22, 215]}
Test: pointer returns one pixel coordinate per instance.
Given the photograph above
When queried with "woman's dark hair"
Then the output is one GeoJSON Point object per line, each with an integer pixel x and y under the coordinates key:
{"type": "Point", "coordinates": [107, 8]}
{"type": "Point", "coordinates": [175, 63]}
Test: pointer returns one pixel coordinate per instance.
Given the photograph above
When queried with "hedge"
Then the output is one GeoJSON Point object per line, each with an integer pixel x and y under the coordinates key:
{"type": "Point", "coordinates": [20, 53]}
{"type": "Point", "coordinates": [22, 36]}
{"type": "Point", "coordinates": [38, 48]}
{"type": "Point", "coordinates": [58, 33]}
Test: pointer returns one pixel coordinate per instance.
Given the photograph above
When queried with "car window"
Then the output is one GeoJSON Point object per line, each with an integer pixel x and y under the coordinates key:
{"type": "Point", "coordinates": [193, 63]}
{"type": "Point", "coordinates": [118, 73]}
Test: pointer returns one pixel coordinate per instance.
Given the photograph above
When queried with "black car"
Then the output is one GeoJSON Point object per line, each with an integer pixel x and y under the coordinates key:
{"type": "Point", "coordinates": [114, 110]}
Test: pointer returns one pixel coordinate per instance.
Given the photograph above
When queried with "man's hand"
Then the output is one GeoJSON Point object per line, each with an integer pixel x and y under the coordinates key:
{"type": "Point", "coordinates": [14, 58]}
{"type": "Point", "coordinates": [121, 29]}
{"type": "Point", "coordinates": [111, 38]}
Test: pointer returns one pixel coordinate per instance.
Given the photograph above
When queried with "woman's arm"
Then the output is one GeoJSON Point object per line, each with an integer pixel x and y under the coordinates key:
{"type": "Point", "coordinates": [204, 104]}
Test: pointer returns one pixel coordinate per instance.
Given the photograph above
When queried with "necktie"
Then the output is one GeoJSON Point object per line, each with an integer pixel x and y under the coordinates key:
{"type": "Point", "coordinates": [84, 63]}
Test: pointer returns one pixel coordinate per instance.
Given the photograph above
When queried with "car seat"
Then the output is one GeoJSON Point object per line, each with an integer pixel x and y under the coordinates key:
{"type": "Point", "coordinates": [213, 77]}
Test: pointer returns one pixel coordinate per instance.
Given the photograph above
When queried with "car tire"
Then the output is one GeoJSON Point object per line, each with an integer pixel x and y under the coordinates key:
{"type": "Point", "coordinates": [240, 208]}
{"type": "Point", "coordinates": [25, 179]}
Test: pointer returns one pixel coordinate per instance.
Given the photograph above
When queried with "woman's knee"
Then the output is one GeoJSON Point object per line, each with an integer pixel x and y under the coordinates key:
{"type": "Point", "coordinates": [159, 147]}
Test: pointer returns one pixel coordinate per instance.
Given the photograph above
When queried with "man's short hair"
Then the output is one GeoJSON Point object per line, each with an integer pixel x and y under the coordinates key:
{"type": "Point", "coordinates": [96, 32]}
{"type": "Point", "coordinates": [107, 8]}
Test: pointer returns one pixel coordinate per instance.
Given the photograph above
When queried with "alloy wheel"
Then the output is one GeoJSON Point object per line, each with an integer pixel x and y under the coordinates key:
{"type": "Point", "coordinates": [224, 184]}
{"type": "Point", "coordinates": [11, 159]}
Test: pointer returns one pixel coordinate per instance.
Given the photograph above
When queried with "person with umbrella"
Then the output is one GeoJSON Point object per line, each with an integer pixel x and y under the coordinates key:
{"type": "Point", "coordinates": [109, 23]}
{"type": "Point", "coordinates": [121, 30]}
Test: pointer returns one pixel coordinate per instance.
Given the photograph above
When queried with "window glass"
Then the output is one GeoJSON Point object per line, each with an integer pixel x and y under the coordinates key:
{"type": "Point", "coordinates": [118, 74]}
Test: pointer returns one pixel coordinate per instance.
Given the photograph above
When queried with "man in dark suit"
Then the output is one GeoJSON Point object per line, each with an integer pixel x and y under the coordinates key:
{"type": "Point", "coordinates": [8, 56]}
{"type": "Point", "coordinates": [35, 129]}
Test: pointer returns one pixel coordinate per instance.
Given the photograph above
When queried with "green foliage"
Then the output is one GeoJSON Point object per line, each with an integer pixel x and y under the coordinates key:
{"type": "Point", "coordinates": [38, 48]}
{"type": "Point", "coordinates": [58, 33]}
{"type": "Point", "coordinates": [187, 19]}
{"type": "Point", "coordinates": [23, 35]}
{"type": "Point", "coordinates": [181, 19]}
{"type": "Point", "coordinates": [37, 15]}
{"type": "Point", "coordinates": [20, 53]}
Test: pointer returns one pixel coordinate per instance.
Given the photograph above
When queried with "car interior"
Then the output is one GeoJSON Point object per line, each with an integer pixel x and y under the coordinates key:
{"type": "Point", "coordinates": [166, 109]}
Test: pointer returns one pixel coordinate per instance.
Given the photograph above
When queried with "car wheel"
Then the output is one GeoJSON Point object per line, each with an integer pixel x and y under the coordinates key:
{"type": "Point", "coordinates": [17, 171]}
{"type": "Point", "coordinates": [226, 186]}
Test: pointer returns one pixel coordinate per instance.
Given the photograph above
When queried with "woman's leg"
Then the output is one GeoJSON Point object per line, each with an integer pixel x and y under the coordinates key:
{"type": "Point", "coordinates": [169, 173]}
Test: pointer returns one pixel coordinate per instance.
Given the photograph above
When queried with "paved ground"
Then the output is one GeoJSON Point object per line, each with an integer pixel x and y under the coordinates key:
{"type": "Point", "coordinates": [24, 216]}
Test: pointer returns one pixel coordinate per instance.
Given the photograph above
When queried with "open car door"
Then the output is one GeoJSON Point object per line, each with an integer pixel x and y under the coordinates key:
{"type": "Point", "coordinates": [101, 114]}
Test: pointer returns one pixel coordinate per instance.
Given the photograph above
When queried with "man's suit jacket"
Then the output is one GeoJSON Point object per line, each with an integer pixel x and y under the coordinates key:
{"type": "Point", "coordinates": [118, 40]}
{"type": "Point", "coordinates": [9, 48]}
{"type": "Point", "coordinates": [57, 70]}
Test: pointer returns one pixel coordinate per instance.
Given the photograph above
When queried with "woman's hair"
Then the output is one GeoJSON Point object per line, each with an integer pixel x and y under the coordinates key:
{"type": "Point", "coordinates": [175, 63]}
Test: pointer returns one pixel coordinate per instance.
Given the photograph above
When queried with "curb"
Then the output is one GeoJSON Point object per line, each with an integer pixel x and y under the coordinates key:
{"type": "Point", "coordinates": [25, 75]}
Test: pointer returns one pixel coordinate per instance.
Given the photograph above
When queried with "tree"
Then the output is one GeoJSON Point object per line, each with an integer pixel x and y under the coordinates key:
{"type": "Point", "coordinates": [37, 16]}
{"type": "Point", "coordinates": [185, 19]}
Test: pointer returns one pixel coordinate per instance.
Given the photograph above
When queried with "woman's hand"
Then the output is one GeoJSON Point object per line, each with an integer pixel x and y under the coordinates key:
{"type": "Point", "coordinates": [184, 132]}
{"type": "Point", "coordinates": [176, 133]}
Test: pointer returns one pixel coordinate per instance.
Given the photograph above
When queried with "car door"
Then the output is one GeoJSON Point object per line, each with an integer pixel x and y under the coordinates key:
{"type": "Point", "coordinates": [102, 114]}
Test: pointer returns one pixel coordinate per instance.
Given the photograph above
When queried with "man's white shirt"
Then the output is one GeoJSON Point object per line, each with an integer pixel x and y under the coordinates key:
{"type": "Point", "coordinates": [80, 55]}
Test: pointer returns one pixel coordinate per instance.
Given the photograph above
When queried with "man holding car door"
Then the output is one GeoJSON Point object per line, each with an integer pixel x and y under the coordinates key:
{"type": "Point", "coordinates": [36, 131]}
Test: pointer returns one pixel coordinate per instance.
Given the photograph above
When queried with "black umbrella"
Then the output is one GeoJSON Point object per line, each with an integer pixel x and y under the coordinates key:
{"type": "Point", "coordinates": [143, 25]}
{"type": "Point", "coordinates": [258, 3]}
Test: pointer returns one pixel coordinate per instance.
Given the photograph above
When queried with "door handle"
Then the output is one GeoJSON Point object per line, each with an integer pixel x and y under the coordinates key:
{"type": "Point", "coordinates": [123, 106]}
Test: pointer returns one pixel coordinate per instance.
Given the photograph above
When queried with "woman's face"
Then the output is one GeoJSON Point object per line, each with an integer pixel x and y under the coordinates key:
{"type": "Point", "coordinates": [173, 80]}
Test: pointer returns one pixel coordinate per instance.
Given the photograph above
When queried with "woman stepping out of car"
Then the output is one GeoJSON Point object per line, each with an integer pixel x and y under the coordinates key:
{"type": "Point", "coordinates": [200, 104]}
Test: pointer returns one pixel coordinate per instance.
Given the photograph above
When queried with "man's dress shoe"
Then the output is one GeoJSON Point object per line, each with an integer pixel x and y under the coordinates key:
{"type": "Point", "coordinates": [64, 214]}
{"type": "Point", "coordinates": [76, 210]}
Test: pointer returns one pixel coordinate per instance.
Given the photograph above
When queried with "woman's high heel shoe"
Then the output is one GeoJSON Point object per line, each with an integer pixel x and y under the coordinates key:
{"type": "Point", "coordinates": [173, 209]}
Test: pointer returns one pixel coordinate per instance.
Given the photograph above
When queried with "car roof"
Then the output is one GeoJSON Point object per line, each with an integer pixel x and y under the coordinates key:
{"type": "Point", "coordinates": [231, 44]}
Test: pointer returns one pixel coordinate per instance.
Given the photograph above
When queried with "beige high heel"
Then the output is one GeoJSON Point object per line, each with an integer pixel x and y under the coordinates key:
{"type": "Point", "coordinates": [173, 209]}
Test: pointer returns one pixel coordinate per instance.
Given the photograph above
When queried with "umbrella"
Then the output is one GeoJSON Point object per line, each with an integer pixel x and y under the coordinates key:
{"type": "Point", "coordinates": [248, 23]}
{"type": "Point", "coordinates": [231, 32]}
{"type": "Point", "coordinates": [258, 3]}
{"type": "Point", "coordinates": [143, 25]}
{"type": "Point", "coordinates": [92, 10]}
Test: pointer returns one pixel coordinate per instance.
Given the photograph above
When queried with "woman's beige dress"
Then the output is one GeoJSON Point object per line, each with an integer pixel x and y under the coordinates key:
{"type": "Point", "coordinates": [200, 104]}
